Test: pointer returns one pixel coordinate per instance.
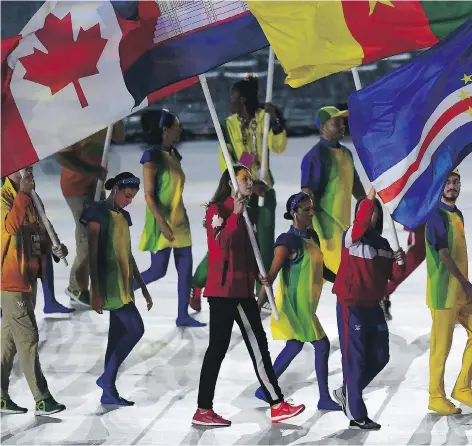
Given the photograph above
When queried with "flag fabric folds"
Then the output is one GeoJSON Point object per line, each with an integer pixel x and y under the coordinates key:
{"type": "Point", "coordinates": [313, 39]}
{"type": "Point", "coordinates": [77, 66]}
{"type": "Point", "coordinates": [413, 126]}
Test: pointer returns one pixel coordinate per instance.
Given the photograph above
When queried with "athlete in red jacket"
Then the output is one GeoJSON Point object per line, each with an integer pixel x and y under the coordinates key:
{"type": "Point", "coordinates": [232, 271]}
{"type": "Point", "coordinates": [367, 264]}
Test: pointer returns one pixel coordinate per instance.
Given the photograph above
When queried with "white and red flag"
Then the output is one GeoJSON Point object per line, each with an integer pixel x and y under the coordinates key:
{"type": "Point", "coordinates": [79, 66]}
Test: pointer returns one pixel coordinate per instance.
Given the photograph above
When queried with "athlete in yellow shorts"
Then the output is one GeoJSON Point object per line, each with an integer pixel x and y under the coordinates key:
{"type": "Point", "coordinates": [449, 296]}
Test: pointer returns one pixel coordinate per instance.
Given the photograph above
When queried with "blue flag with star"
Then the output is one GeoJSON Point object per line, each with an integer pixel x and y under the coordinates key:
{"type": "Point", "coordinates": [414, 126]}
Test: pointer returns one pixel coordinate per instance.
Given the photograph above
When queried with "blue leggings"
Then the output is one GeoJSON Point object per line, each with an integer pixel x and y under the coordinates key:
{"type": "Point", "coordinates": [126, 329]}
{"type": "Point", "coordinates": [292, 349]}
{"type": "Point", "coordinates": [183, 264]}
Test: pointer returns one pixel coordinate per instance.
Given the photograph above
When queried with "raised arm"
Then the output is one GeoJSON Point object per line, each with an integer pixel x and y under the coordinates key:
{"type": "Point", "coordinates": [221, 230]}
{"type": "Point", "coordinates": [14, 213]}
{"type": "Point", "coordinates": [361, 220]}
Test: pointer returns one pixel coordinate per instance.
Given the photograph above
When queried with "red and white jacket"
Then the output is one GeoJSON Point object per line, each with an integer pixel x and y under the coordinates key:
{"type": "Point", "coordinates": [232, 267]}
{"type": "Point", "coordinates": [367, 262]}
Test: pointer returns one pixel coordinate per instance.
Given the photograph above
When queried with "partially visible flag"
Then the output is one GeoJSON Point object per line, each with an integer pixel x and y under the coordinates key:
{"type": "Point", "coordinates": [77, 66]}
{"type": "Point", "coordinates": [413, 126]}
{"type": "Point", "coordinates": [313, 39]}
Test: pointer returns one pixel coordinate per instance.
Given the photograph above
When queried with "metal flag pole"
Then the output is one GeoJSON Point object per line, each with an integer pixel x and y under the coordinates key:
{"type": "Point", "coordinates": [106, 149]}
{"type": "Point", "coordinates": [232, 175]}
{"type": "Point", "coordinates": [44, 219]}
{"type": "Point", "coordinates": [396, 244]}
{"type": "Point", "coordinates": [265, 135]}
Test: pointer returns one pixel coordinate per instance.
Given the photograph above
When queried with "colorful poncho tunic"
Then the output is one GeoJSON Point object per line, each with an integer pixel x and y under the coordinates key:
{"type": "Point", "coordinates": [299, 289]}
{"type": "Point", "coordinates": [170, 180]}
{"type": "Point", "coordinates": [115, 261]}
{"type": "Point", "coordinates": [328, 171]}
{"type": "Point", "coordinates": [445, 229]}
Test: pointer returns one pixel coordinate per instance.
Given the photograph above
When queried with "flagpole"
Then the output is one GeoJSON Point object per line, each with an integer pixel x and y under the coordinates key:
{"type": "Point", "coordinates": [44, 219]}
{"type": "Point", "coordinates": [232, 175]}
{"type": "Point", "coordinates": [265, 135]}
{"type": "Point", "coordinates": [396, 244]}
{"type": "Point", "coordinates": [106, 149]}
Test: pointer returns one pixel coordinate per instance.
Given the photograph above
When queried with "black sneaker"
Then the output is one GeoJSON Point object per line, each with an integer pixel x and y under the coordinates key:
{"type": "Point", "coordinates": [8, 406]}
{"type": "Point", "coordinates": [366, 424]}
{"type": "Point", "coordinates": [81, 297]}
{"type": "Point", "coordinates": [48, 407]}
{"type": "Point", "coordinates": [385, 304]}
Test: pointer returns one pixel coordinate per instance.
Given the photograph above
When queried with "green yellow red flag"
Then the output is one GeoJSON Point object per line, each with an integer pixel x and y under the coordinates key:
{"type": "Point", "coordinates": [313, 39]}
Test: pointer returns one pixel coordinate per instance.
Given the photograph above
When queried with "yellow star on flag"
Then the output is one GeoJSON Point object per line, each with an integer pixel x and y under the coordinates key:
{"type": "Point", "coordinates": [373, 4]}
{"type": "Point", "coordinates": [469, 110]}
{"type": "Point", "coordinates": [467, 78]}
{"type": "Point", "coordinates": [464, 95]}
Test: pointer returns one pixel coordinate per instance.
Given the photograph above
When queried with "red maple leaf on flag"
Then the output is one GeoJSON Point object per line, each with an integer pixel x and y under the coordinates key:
{"type": "Point", "coordinates": [66, 60]}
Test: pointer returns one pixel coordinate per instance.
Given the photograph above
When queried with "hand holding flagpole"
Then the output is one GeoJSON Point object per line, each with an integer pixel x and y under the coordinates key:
{"type": "Point", "coordinates": [232, 175]}
{"type": "Point", "coordinates": [396, 244]}
{"type": "Point", "coordinates": [42, 215]}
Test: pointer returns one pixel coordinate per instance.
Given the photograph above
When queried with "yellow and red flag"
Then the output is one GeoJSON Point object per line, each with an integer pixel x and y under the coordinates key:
{"type": "Point", "coordinates": [313, 39]}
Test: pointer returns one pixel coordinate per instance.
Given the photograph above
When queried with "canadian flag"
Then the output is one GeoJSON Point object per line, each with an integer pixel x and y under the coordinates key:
{"type": "Point", "coordinates": [79, 66]}
{"type": "Point", "coordinates": [63, 78]}
{"type": "Point", "coordinates": [65, 81]}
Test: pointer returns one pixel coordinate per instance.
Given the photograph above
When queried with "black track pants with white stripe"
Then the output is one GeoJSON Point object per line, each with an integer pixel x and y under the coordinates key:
{"type": "Point", "coordinates": [223, 313]}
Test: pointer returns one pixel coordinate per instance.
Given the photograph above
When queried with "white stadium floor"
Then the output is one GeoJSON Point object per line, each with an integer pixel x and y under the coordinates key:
{"type": "Point", "coordinates": [162, 373]}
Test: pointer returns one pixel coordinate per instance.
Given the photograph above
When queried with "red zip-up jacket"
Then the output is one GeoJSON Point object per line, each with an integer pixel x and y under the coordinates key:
{"type": "Point", "coordinates": [232, 267]}
{"type": "Point", "coordinates": [367, 263]}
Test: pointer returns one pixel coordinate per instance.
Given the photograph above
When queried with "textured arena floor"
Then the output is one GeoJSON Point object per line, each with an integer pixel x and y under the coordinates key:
{"type": "Point", "coordinates": [162, 373]}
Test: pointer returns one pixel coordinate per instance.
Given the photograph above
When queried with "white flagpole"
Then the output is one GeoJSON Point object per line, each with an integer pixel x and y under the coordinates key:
{"type": "Point", "coordinates": [106, 149]}
{"type": "Point", "coordinates": [396, 244]}
{"type": "Point", "coordinates": [265, 135]}
{"type": "Point", "coordinates": [44, 219]}
{"type": "Point", "coordinates": [232, 175]}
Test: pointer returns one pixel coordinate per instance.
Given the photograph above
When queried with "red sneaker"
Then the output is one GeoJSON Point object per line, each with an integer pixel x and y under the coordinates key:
{"type": "Point", "coordinates": [285, 411]}
{"type": "Point", "coordinates": [209, 418]}
{"type": "Point", "coordinates": [196, 299]}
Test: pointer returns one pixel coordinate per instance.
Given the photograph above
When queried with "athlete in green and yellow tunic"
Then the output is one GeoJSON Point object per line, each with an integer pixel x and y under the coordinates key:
{"type": "Point", "coordinates": [243, 132]}
{"type": "Point", "coordinates": [112, 268]}
{"type": "Point", "coordinates": [329, 177]}
{"type": "Point", "coordinates": [299, 260]}
{"type": "Point", "coordinates": [449, 295]}
{"type": "Point", "coordinates": [167, 227]}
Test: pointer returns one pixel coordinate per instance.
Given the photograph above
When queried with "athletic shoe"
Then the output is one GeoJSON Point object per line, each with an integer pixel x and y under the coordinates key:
{"type": "Point", "coordinates": [196, 299]}
{"type": "Point", "coordinates": [8, 406]}
{"type": "Point", "coordinates": [366, 424]}
{"type": "Point", "coordinates": [266, 308]}
{"type": "Point", "coordinates": [442, 406]}
{"type": "Point", "coordinates": [81, 297]}
{"type": "Point", "coordinates": [464, 396]}
{"type": "Point", "coordinates": [385, 304]}
{"type": "Point", "coordinates": [48, 407]}
{"type": "Point", "coordinates": [285, 411]}
{"type": "Point", "coordinates": [340, 398]}
{"type": "Point", "coordinates": [209, 418]}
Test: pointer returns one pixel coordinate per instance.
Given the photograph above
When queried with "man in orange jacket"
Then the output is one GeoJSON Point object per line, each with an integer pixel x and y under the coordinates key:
{"type": "Point", "coordinates": [24, 244]}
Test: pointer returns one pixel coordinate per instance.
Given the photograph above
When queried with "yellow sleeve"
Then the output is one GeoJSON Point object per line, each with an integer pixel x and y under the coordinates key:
{"type": "Point", "coordinates": [222, 158]}
{"type": "Point", "coordinates": [277, 143]}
